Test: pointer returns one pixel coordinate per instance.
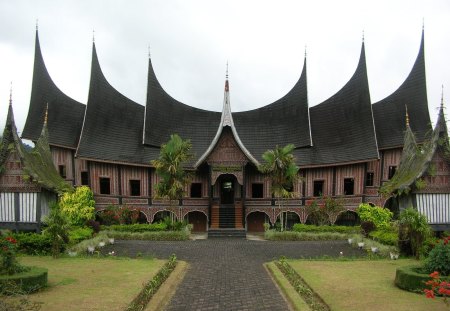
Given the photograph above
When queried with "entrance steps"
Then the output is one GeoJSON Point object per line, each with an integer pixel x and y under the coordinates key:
{"type": "Point", "coordinates": [227, 233]}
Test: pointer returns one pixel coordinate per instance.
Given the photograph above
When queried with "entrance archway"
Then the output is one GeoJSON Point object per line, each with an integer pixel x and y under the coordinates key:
{"type": "Point", "coordinates": [227, 185]}
{"type": "Point", "coordinates": [256, 221]}
{"type": "Point", "coordinates": [197, 220]}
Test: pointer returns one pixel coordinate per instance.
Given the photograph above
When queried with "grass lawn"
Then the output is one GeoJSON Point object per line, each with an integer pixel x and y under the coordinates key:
{"type": "Point", "coordinates": [92, 283]}
{"type": "Point", "coordinates": [362, 285]}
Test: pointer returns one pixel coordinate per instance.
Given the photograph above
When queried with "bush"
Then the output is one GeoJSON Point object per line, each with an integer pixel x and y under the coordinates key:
{"type": "Point", "coordinates": [413, 232]}
{"type": "Point", "coordinates": [314, 228]}
{"type": "Point", "coordinates": [79, 206]}
{"type": "Point", "coordinates": [33, 243]}
{"type": "Point", "coordinates": [127, 215]}
{"type": "Point", "coordinates": [411, 278]}
{"type": "Point", "coordinates": [385, 237]}
{"type": "Point", "coordinates": [439, 258]}
{"type": "Point", "coordinates": [137, 227]}
{"type": "Point", "coordinates": [303, 236]}
{"type": "Point", "coordinates": [31, 280]}
{"type": "Point", "coordinates": [379, 216]}
{"type": "Point", "coordinates": [57, 229]}
{"type": "Point", "coordinates": [94, 225]}
{"type": "Point", "coordinates": [79, 234]}
{"type": "Point", "coordinates": [109, 216]}
{"type": "Point", "coordinates": [367, 227]}
{"type": "Point", "coordinates": [151, 236]}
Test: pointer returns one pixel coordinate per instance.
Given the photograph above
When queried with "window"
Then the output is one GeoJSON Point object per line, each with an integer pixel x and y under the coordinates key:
{"type": "Point", "coordinates": [135, 187]}
{"type": "Point", "coordinates": [369, 179]}
{"type": "Point", "coordinates": [257, 191]}
{"type": "Point", "coordinates": [196, 190]}
{"type": "Point", "coordinates": [85, 178]}
{"type": "Point", "coordinates": [318, 188]}
{"type": "Point", "coordinates": [62, 171]}
{"type": "Point", "coordinates": [105, 187]}
{"type": "Point", "coordinates": [392, 170]}
{"type": "Point", "coordinates": [349, 186]}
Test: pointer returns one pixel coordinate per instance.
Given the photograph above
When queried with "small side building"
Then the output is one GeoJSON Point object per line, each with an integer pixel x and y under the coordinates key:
{"type": "Point", "coordinates": [422, 179]}
{"type": "Point", "coordinates": [29, 181]}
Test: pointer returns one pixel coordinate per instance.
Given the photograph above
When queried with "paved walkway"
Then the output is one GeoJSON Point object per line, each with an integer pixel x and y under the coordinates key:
{"type": "Point", "coordinates": [228, 274]}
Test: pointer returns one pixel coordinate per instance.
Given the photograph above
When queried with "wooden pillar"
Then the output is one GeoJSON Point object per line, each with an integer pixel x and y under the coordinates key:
{"type": "Point", "coordinates": [119, 177]}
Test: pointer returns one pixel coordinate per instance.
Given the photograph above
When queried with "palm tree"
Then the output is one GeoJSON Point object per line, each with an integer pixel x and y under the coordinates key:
{"type": "Point", "coordinates": [281, 168]}
{"type": "Point", "coordinates": [169, 166]}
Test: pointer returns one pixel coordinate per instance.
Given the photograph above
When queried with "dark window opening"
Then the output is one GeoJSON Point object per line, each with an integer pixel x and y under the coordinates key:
{"type": "Point", "coordinates": [257, 191]}
{"type": "Point", "coordinates": [135, 187]}
{"type": "Point", "coordinates": [289, 187]}
{"type": "Point", "coordinates": [105, 186]}
{"type": "Point", "coordinates": [85, 178]}
{"type": "Point", "coordinates": [318, 188]}
{"type": "Point", "coordinates": [196, 190]}
{"type": "Point", "coordinates": [62, 171]}
{"type": "Point", "coordinates": [392, 170]}
{"type": "Point", "coordinates": [349, 186]}
{"type": "Point", "coordinates": [369, 179]}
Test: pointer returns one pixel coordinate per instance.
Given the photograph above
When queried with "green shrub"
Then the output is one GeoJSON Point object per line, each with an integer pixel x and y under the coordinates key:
{"type": "Point", "coordinates": [33, 243]}
{"type": "Point", "coordinates": [412, 278]}
{"type": "Point", "coordinates": [439, 258]}
{"type": "Point", "coordinates": [385, 237]}
{"type": "Point", "coordinates": [380, 216]}
{"type": "Point", "coordinates": [57, 227]}
{"type": "Point", "coordinates": [79, 206]}
{"type": "Point", "coordinates": [137, 227]}
{"type": "Point", "coordinates": [31, 280]}
{"type": "Point", "coordinates": [274, 235]}
{"type": "Point", "coordinates": [149, 235]}
{"type": "Point", "coordinates": [314, 228]}
{"type": "Point", "coordinates": [76, 235]}
{"type": "Point", "coordinates": [413, 232]}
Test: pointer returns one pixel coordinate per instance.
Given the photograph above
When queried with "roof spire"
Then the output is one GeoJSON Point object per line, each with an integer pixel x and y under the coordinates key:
{"type": "Point", "coordinates": [10, 95]}
{"type": "Point", "coordinates": [46, 116]}
{"type": "Point", "coordinates": [442, 97]}
{"type": "Point", "coordinates": [407, 116]}
{"type": "Point", "coordinates": [227, 87]}
{"type": "Point", "coordinates": [305, 51]}
{"type": "Point", "coordinates": [93, 35]}
{"type": "Point", "coordinates": [149, 55]}
{"type": "Point", "coordinates": [37, 24]}
{"type": "Point", "coordinates": [363, 36]}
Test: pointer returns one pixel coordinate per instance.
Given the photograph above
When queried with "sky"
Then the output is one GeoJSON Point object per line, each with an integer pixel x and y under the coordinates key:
{"type": "Point", "coordinates": [190, 43]}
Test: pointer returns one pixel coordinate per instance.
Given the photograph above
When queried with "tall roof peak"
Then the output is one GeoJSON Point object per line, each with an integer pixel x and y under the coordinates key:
{"type": "Point", "coordinates": [442, 98]}
{"type": "Point", "coordinates": [10, 94]}
{"type": "Point", "coordinates": [406, 116]}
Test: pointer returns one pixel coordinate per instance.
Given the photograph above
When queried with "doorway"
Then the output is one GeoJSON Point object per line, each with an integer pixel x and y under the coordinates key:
{"type": "Point", "coordinates": [227, 189]}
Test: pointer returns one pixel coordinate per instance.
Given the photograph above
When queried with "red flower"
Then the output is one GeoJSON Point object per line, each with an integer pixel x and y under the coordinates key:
{"type": "Point", "coordinates": [11, 240]}
{"type": "Point", "coordinates": [429, 293]}
{"type": "Point", "coordinates": [434, 275]}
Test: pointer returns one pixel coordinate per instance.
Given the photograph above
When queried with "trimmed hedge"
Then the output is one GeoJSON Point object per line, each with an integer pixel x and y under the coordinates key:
{"type": "Point", "coordinates": [273, 235]}
{"type": "Point", "coordinates": [79, 234]}
{"type": "Point", "coordinates": [152, 236]}
{"type": "Point", "coordinates": [33, 243]}
{"type": "Point", "coordinates": [337, 229]}
{"type": "Point", "coordinates": [136, 227]}
{"type": "Point", "coordinates": [411, 278]}
{"type": "Point", "coordinates": [28, 281]}
{"type": "Point", "coordinates": [385, 237]}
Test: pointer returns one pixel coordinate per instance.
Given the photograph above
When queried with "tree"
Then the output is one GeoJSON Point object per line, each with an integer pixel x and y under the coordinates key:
{"type": "Point", "coordinates": [57, 228]}
{"type": "Point", "coordinates": [79, 206]}
{"type": "Point", "coordinates": [170, 167]}
{"type": "Point", "coordinates": [281, 168]}
{"type": "Point", "coordinates": [413, 231]}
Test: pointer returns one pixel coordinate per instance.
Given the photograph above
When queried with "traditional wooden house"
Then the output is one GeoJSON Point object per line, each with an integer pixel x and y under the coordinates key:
{"type": "Point", "coordinates": [29, 181]}
{"type": "Point", "coordinates": [422, 179]}
{"type": "Point", "coordinates": [346, 147]}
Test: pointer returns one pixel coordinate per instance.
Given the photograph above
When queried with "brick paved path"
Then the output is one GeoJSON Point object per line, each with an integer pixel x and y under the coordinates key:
{"type": "Point", "coordinates": [228, 274]}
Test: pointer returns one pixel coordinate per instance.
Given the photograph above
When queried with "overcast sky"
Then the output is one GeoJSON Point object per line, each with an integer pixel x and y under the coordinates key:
{"type": "Point", "coordinates": [191, 42]}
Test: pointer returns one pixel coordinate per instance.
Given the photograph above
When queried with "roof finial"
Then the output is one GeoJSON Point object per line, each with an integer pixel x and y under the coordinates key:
{"type": "Point", "coordinates": [149, 55]}
{"type": "Point", "coordinates": [305, 51]}
{"type": "Point", "coordinates": [407, 116]}
{"type": "Point", "coordinates": [37, 24]}
{"type": "Point", "coordinates": [363, 36]}
{"type": "Point", "coordinates": [442, 97]}
{"type": "Point", "coordinates": [423, 23]}
{"type": "Point", "coordinates": [226, 75]}
{"type": "Point", "coordinates": [46, 116]}
{"type": "Point", "coordinates": [93, 35]}
{"type": "Point", "coordinates": [227, 87]}
{"type": "Point", "coordinates": [10, 95]}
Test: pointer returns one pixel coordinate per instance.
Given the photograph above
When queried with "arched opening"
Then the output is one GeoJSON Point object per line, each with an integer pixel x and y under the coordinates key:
{"type": "Point", "coordinates": [227, 183]}
{"type": "Point", "coordinates": [348, 218]}
{"type": "Point", "coordinates": [289, 220]}
{"type": "Point", "coordinates": [198, 221]}
{"type": "Point", "coordinates": [318, 218]}
{"type": "Point", "coordinates": [161, 215]}
{"type": "Point", "coordinates": [142, 218]}
{"type": "Point", "coordinates": [256, 221]}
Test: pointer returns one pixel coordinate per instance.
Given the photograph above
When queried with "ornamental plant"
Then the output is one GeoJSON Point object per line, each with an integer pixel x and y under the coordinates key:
{"type": "Point", "coordinates": [57, 229]}
{"type": "Point", "coordinates": [79, 206]}
{"type": "Point", "coordinates": [9, 263]}
{"type": "Point", "coordinates": [413, 232]}
{"type": "Point", "coordinates": [439, 258]}
{"type": "Point", "coordinates": [379, 216]}
{"type": "Point", "coordinates": [438, 288]}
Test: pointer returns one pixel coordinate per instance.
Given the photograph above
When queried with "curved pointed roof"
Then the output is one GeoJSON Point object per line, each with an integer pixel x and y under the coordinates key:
{"type": "Point", "coordinates": [165, 116]}
{"type": "Point", "coordinates": [389, 113]}
{"type": "Point", "coordinates": [112, 127]}
{"type": "Point", "coordinates": [66, 114]}
{"type": "Point", "coordinates": [342, 126]}
{"type": "Point", "coordinates": [285, 121]}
